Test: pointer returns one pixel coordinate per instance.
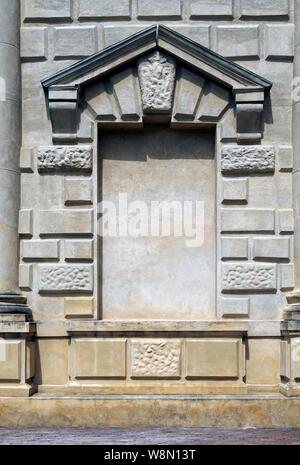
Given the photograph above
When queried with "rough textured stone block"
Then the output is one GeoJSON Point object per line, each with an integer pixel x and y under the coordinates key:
{"type": "Point", "coordinates": [64, 157]}
{"type": "Point", "coordinates": [10, 360]}
{"type": "Point", "coordinates": [270, 8]}
{"type": "Point", "coordinates": [99, 358]}
{"type": "Point", "coordinates": [79, 307]}
{"type": "Point", "coordinates": [235, 190]}
{"type": "Point", "coordinates": [47, 10]}
{"type": "Point", "coordinates": [286, 221]}
{"type": "Point", "coordinates": [25, 276]}
{"type": "Point", "coordinates": [279, 41]}
{"type": "Point", "coordinates": [235, 308]}
{"type": "Point", "coordinates": [63, 278]}
{"type": "Point", "coordinates": [26, 160]}
{"type": "Point", "coordinates": [66, 221]}
{"type": "Point", "coordinates": [285, 158]}
{"type": "Point", "coordinates": [213, 358]}
{"type": "Point", "coordinates": [156, 9]}
{"type": "Point", "coordinates": [247, 220]}
{"type": "Point", "coordinates": [157, 78]}
{"type": "Point", "coordinates": [263, 361]}
{"type": "Point", "coordinates": [78, 250]}
{"type": "Point", "coordinates": [78, 191]}
{"type": "Point", "coordinates": [234, 247]}
{"type": "Point", "coordinates": [104, 9]}
{"type": "Point", "coordinates": [238, 41]}
{"type": "Point", "coordinates": [34, 43]}
{"type": "Point", "coordinates": [208, 8]}
{"type": "Point", "coordinates": [271, 248]}
{"type": "Point", "coordinates": [26, 222]}
{"type": "Point", "coordinates": [154, 358]}
{"type": "Point", "coordinates": [248, 277]}
{"type": "Point", "coordinates": [40, 249]}
{"type": "Point", "coordinates": [75, 42]}
{"type": "Point", "coordinates": [287, 278]}
{"type": "Point", "coordinates": [248, 158]}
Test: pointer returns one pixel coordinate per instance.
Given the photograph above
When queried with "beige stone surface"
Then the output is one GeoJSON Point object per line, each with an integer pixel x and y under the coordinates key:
{"type": "Point", "coordinates": [52, 361]}
{"type": "Point", "coordinates": [263, 361]}
{"type": "Point", "coordinates": [98, 358]}
{"type": "Point", "coordinates": [10, 361]}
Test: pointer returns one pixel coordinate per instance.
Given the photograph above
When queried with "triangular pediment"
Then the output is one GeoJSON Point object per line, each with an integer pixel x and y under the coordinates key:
{"type": "Point", "coordinates": [159, 37]}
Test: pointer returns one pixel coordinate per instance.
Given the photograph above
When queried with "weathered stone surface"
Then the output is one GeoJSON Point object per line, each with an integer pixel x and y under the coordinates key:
{"type": "Point", "coordinates": [34, 42]}
{"type": "Point", "coordinates": [157, 78]}
{"type": "Point", "coordinates": [99, 358]}
{"type": "Point", "coordinates": [47, 10]}
{"type": "Point", "coordinates": [78, 191]}
{"type": "Point", "coordinates": [39, 250]}
{"type": "Point", "coordinates": [287, 276]}
{"type": "Point", "coordinates": [261, 366]}
{"type": "Point", "coordinates": [238, 41]}
{"type": "Point", "coordinates": [67, 221]}
{"type": "Point", "coordinates": [61, 278]}
{"type": "Point", "coordinates": [212, 358]}
{"type": "Point", "coordinates": [119, 9]}
{"type": "Point", "coordinates": [235, 308]}
{"type": "Point", "coordinates": [26, 222]}
{"type": "Point", "coordinates": [64, 157]}
{"type": "Point", "coordinates": [234, 247]}
{"type": "Point", "coordinates": [270, 8]}
{"type": "Point", "coordinates": [235, 190]}
{"type": "Point", "coordinates": [170, 9]}
{"type": "Point", "coordinates": [248, 158]}
{"type": "Point", "coordinates": [247, 220]}
{"type": "Point", "coordinates": [279, 41]}
{"type": "Point", "coordinates": [125, 85]}
{"type": "Point", "coordinates": [155, 359]}
{"type": "Point", "coordinates": [247, 277]}
{"type": "Point", "coordinates": [26, 160]}
{"type": "Point", "coordinates": [285, 158]}
{"type": "Point", "coordinates": [208, 8]}
{"type": "Point", "coordinates": [189, 88]}
{"type": "Point", "coordinates": [10, 360]}
{"type": "Point", "coordinates": [75, 42]}
{"type": "Point", "coordinates": [271, 248]}
{"type": "Point", "coordinates": [78, 307]}
{"type": "Point", "coordinates": [25, 276]}
{"type": "Point", "coordinates": [78, 250]}
{"type": "Point", "coordinates": [286, 221]}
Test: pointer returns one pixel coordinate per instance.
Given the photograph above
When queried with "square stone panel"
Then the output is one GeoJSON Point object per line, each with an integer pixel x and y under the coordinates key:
{"type": "Point", "coordinates": [99, 358]}
{"type": "Point", "coordinates": [213, 358]}
{"type": "Point", "coordinates": [10, 360]}
{"type": "Point", "coordinates": [155, 358]}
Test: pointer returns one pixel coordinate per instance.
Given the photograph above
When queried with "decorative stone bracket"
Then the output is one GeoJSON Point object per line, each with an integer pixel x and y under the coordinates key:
{"type": "Point", "coordinates": [167, 74]}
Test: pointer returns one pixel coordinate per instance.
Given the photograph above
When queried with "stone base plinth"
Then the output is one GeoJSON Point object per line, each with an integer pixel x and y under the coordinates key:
{"type": "Point", "coordinates": [261, 411]}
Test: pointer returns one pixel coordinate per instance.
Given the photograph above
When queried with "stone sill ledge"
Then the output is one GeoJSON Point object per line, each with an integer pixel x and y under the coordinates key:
{"type": "Point", "coordinates": [61, 328]}
{"type": "Point", "coordinates": [21, 327]}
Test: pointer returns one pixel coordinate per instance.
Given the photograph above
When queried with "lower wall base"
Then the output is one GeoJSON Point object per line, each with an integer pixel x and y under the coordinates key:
{"type": "Point", "coordinates": [263, 411]}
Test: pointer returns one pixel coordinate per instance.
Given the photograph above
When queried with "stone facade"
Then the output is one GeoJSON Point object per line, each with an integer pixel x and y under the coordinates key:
{"type": "Point", "coordinates": [185, 99]}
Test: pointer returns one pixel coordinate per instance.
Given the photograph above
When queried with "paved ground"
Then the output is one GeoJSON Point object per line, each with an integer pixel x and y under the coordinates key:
{"type": "Point", "coordinates": [156, 436]}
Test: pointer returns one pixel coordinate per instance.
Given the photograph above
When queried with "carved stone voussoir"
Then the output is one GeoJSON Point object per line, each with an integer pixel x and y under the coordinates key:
{"type": "Point", "coordinates": [249, 277]}
{"type": "Point", "coordinates": [157, 78]}
{"type": "Point", "coordinates": [248, 158]}
{"type": "Point", "coordinates": [155, 359]}
{"type": "Point", "coordinates": [66, 278]}
{"type": "Point", "coordinates": [64, 157]}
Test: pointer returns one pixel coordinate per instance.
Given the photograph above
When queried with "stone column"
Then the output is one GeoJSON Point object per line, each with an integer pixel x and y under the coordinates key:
{"type": "Point", "coordinates": [11, 300]}
{"type": "Point", "coordinates": [296, 145]}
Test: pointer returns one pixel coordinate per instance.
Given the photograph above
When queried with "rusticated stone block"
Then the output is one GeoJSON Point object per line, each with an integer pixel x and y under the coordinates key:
{"type": "Point", "coordinates": [208, 8]}
{"type": "Point", "coordinates": [64, 157]}
{"type": "Point", "coordinates": [279, 41]}
{"type": "Point", "coordinates": [271, 247]}
{"type": "Point", "coordinates": [285, 158]}
{"type": "Point", "coordinates": [248, 158]}
{"type": "Point", "coordinates": [34, 43]}
{"type": "Point", "coordinates": [287, 278]}
{"type": "Point", "coordinates": [249, 277]}
{"type": "Point", "coordinates": [26, 222]}
{"type": "Point", "coordinates": [234, 247]}
{"type": "Point", "coordinates": [238, 41]}
{"type": "Point", "coordinates": [78, 191]}
{"type": "Point", "coordinates": [213, 358]}
{"type": "Point", "coordinates": [157, 77]}
{"type": "Point", "coordinates": [270, 8]}
{"type": "Point", "coordinates": [235, 190]}
{"type": "Point", "coordinates": [66, 221]}
{"type": "Point", "coordinates": [26, 160]}
{"type": "Point", "coordinates": [239, 220]}
{"type": "Point", "coordinates": [99, 358]}
{"type": "Point", "coordinates": [155, 358]}
{"type": "Point", "coordinates": [104, 9]}
{"type": "Point", "coordinates": [25, 276]}
{"type": "Point", "coordinates": [286, 221]}
{"type": "Point", "coordinates": [65, 278]}
{"type": "Point", "coordinates": [77, 307]}
{"type": "Point", "coordinates": [39, 250]}
{"type": "Point", "coordinates": [75, 42]}
{"type": "Point", "coordinates": [156, 9]}
{"type": "Point", "coordinates": [10, 360]}
{"type": "Point", "coordinates": [235, 308]}
{"type": "Point", "coordinates": [78, 250]}
{"type": "Point", "coordinates": [47, 10]}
